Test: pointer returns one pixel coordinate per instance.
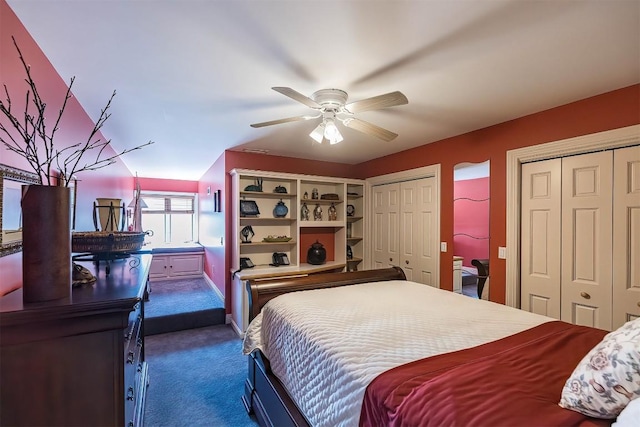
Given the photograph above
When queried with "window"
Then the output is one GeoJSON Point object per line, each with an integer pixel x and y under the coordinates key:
{"type": "Point", "coordinates": [171, 217]}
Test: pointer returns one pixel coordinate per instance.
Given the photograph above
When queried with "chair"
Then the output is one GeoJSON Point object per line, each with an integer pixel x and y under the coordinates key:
{"type": "Point", "coordinates": [483, 273]}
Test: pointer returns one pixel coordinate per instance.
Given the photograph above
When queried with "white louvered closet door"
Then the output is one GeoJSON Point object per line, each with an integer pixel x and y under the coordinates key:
{"type": "Point", "coordinates": [541, 209]}
{"type": "Point", "coordinates": [626, 235]}
{"type": "Point", "coordinates": [587, 242]}
{"type": "Point", "coordinates": [386, 210]}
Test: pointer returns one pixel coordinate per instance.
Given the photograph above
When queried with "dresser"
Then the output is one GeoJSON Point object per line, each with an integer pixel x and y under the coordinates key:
{"type": "Point", "coordinates": [77, 361]}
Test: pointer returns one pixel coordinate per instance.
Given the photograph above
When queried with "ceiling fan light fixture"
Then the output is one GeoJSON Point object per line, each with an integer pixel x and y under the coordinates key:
{"type": "Point", "coordinates": [318, 133]}
{"type": "Point", "coordinates": [331, 131]}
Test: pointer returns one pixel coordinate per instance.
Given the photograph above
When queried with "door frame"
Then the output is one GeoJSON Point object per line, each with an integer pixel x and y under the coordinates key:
{"type": "Point", "coordinates": [432, 171]}
{"type": "Point", "coordinates": [616, 138]}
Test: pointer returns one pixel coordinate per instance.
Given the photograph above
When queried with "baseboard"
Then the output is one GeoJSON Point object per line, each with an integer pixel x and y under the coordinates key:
{"type": "Point", "coordinates": [234, 326]}
{"type": "Point", "coordinates": [215, 288]}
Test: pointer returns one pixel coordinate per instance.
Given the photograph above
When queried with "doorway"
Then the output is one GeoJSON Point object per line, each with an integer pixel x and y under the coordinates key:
{"type": "Point", "coordinates": [471, 202]}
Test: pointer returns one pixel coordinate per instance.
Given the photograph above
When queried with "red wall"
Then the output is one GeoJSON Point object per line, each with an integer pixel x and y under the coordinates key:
{"type": "Point", "coordinates": [114, 181]}
{"type": "Point", "coordinates": [471, 218]}
{"type": "Point", "coordinates": [159, 184]}
{"type": "Point", "coordinates": [213, 228]}
{"type": "Point", "coordinates": [608, 111]}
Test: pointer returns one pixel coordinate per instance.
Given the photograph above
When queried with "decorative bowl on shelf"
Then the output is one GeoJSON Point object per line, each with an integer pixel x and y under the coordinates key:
{"type": "Point", "coordinates": [276, 239]}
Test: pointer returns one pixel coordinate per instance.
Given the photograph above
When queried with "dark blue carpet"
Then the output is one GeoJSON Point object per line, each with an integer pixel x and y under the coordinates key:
{"type": "Point", "coordinates": [178, 296]}
{"type": "Point", "coordinates": [196, 378]}
{"type": "Point", "coordinates": [175, 305]}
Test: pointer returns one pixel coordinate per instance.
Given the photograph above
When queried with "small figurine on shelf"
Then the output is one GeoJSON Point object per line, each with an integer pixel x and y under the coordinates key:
{"type": "Point", "coordinates": [304, 212]}
{"type": "Point", "coordinates": [305, 195]}
{"type": "Point", "coordinates": [314, 194]}
{"type": "Point", "coordinates": [333, 213]}
{"type": "Point", "coordinates": [317, 213]}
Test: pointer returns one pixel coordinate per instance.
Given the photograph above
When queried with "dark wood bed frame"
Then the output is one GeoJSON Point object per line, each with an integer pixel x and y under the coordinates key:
{"type": "Point", "coordinates": [264, 395]}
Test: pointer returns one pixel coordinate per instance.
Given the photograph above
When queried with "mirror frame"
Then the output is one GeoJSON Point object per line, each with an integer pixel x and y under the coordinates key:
{"type": "Point", "coordinates": [19, 175]}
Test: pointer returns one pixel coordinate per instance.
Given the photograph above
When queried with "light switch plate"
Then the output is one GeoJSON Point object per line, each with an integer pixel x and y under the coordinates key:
{"type": "Point", "coordinates": [443, 246]}
{"type": "Point", "coordinates": [502, 252]}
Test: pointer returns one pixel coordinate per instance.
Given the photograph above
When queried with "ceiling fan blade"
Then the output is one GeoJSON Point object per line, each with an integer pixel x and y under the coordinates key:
{"type": "Point", "coordinates": [287, 120]}
{"type": "Point", "coordinates": [370, 129]}
{"type": "Point", "coordinates": [390, 99]}
{"type": "Point", "coordinates": [297, 96]}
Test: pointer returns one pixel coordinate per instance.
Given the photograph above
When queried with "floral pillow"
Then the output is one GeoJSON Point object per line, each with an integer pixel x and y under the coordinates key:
{"type": "Point", "coordinates": [608, 377]}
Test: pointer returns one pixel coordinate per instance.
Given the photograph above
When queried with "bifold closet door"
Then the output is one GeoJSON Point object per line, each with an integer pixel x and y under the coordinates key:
{"type": "Point", "coordinates": [541, 245]}
{"type": "Point", "coordinates": [417, 223]}
{"type": "Point", "coordinates": [404, 221]}
{"type": "Point", "coordinates": [587, 252]}
{"type": "Point", "coordinates": [626, 235]}
{"type": "Point", "coordinates": [386, 221]}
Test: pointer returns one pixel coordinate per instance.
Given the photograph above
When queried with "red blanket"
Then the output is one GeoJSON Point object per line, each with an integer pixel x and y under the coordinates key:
{"type": "Point", "coordinates": [515, 381]}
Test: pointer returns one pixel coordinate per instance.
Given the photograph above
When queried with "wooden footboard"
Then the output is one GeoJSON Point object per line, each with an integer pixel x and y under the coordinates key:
{"type": "Point", "coordinates": [264, 395]}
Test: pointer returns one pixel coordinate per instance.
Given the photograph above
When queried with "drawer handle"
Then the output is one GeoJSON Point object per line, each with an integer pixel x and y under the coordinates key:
{"type": "Point", "coordinates": [130, 393]}
{"type": "Point", "coordinates": [130, 358]}
{"type": "Point", "coordinates": [585, 295]}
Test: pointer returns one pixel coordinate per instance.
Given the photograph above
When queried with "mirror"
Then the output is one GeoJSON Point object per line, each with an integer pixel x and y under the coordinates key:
{"type": "Point", "coordinates": [471, 225]}
{"type": "Point", "coordinates": [11, 181]}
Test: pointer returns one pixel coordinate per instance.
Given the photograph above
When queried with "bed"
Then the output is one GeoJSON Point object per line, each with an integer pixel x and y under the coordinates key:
{"type": "Point", "coordinates": [370, 348]}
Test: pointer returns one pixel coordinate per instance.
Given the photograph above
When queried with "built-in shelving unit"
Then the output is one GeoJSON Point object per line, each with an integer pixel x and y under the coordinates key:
{"type": "Point", "coordinates": [334, 216]}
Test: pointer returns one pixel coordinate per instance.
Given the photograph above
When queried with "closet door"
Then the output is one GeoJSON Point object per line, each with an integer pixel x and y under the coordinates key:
{"type": "Point", "coordinates": [417, 223]}
{"type": "Point", "coordinates": [386, 210]}
{"type": "Point", "coordinates": [586, 272]}
{"type": "Point", "coordinates": [626, 235]}
{"type": "Point", "coordinates": [540, 218]}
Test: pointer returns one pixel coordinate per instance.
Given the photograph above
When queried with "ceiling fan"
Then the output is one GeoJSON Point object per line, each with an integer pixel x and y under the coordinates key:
{"type": "Point", "coordinates": [332, 108]}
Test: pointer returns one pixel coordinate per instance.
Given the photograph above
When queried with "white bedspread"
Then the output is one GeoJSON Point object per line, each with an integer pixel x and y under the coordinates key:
{"type": "Point", "coordinates": [326, 345]}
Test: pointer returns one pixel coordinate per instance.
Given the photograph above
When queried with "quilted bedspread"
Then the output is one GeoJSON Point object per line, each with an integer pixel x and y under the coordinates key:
{"type": "Point", "coordinates": [327, 345]}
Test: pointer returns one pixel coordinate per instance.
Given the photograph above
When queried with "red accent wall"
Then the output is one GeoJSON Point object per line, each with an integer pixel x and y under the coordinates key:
{"type": "Point", "coordinates": [114, 181]}
{"type": "Point", "coordinates": [214, 228]}
{"type": "Point", "coordinates": [471, 218]}
{"type": "Point", "coordinates": [611, 110]}
{"type": "Point", "coordinates": [160, 184]}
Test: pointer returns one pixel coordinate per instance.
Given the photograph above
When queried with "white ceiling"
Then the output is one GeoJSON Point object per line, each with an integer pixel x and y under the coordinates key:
{"type": "Point", "coordinates": [192, 75]}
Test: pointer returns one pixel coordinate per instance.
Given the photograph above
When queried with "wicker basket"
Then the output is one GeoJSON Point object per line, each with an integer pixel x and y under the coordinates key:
{"type": "Point", "coordinates": [106, 241]}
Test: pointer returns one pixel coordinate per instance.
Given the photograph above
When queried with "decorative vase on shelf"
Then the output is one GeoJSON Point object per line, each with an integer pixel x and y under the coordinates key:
{"type": "Point", "coordinates": [46, 243]}
{"type": "Point", "coordinates": [317, 254]}
{"type": "Point", "coordinates": [110, 213]}
{"type": "Point", "coordinates": [281, 210]}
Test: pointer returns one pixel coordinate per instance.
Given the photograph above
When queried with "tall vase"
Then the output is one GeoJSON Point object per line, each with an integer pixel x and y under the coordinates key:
{"type": "Point", "coordinates": [109, 212]}
{"type": "Point", "coordinates": [46, 243]}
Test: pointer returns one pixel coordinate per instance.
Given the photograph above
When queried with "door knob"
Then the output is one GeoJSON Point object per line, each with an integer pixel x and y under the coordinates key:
{"type": "Point", "coordinates": [390, 259]}
{"type": "Point", "coordinates": [585, 295]}
{"type": "Point", "coordinates": [407, 262]}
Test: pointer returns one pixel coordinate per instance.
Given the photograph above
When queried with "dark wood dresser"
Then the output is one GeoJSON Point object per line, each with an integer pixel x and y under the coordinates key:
{"type": "Point", "coordinates": [77, 361]}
